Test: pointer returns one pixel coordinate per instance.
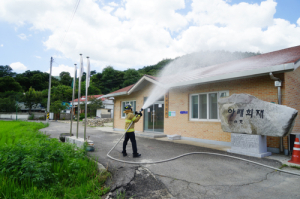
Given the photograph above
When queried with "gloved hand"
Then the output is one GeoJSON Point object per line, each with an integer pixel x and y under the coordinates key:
{"type": "Point", "coordinates": [140, 114]}
{"type": "Point", "coordinates": [136, 113]}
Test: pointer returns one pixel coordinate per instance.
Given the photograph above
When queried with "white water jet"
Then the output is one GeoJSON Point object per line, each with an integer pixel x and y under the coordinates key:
{"type": "Point", "coordinates": [187, 65]}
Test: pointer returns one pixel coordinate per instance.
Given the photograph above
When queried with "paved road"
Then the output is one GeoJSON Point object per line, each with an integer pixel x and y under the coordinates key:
{"type": "Point", "coordinates": [195, 176]}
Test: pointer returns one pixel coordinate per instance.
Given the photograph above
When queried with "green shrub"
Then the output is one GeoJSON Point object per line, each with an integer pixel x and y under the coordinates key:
{"type": "Point", "coordinates": [82, 116]}
{"type": "Point", "coordinates": [31, 117]}
{"type": "Point", "coordinates": [34, 166]}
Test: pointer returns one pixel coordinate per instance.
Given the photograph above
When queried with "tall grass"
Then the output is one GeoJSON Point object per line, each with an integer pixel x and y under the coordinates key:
{"type": "Point", "coordinates": [34, 166]}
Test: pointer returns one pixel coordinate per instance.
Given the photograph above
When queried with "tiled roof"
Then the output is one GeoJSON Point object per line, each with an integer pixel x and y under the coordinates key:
{"type": "Point", "coordinates": [152, 77]}
{"type": "Point", "coordinates": [125, 89]}
{"type": "Point", "coordinates": [82, 99]}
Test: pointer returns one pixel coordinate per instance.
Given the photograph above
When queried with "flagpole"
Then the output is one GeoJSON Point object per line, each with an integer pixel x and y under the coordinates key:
{"type": "Point", "coordinates": [73, 94]}
{"type": "Point", "coordinates": [87, 82]}
{"type": "Point", "coordinates": [79, 94]}
{"type": "Point", "coordinates": [49, 91]}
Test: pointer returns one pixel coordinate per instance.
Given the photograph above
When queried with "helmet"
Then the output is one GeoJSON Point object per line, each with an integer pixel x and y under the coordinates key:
{"type": "Point", "coordinates": [128, 107]}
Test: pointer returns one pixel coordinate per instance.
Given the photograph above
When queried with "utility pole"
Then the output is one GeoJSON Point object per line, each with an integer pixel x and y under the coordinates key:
{"type": "Point", "coordinates": [49, 91]}
{"type": "Point", "coordinates": [79, 93]}
{"type": "Point", "coordinates": [73, 94]}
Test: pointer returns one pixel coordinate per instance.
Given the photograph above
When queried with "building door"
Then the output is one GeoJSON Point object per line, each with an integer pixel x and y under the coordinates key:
{"type": "Point", "coordinates": [154, 117]}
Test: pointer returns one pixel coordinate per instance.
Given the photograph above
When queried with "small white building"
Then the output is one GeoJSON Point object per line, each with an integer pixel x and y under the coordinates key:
{"type": "Point", "coordinates": [106, 111]}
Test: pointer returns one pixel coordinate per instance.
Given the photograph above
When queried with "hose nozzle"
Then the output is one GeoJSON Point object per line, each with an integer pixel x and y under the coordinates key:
{"type": "Point", "coordinates": [138, 112]}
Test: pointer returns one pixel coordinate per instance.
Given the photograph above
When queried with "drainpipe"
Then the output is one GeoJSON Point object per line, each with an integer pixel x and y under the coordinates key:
{"type": "Point", "coordinates": [278, 85]}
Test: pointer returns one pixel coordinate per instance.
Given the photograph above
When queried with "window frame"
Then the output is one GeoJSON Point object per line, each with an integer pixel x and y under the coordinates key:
{"type": "Point", "coordinates": [207, 106]}
{"type": "Point", "coordinates": [127, 101]}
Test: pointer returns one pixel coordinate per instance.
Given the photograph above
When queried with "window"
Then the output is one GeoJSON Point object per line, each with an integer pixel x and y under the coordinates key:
{"type": "Point", "coordinates": [124, 103]}
{"type": "Point", "coordinates": [204, 106]}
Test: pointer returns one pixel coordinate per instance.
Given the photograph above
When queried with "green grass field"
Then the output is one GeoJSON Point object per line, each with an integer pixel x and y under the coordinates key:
{"type": "Point", "coordinates": [35, 166]}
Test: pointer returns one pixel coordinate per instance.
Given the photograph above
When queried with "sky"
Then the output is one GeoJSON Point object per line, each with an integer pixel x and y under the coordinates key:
{"type": "Point", "coordinates": [137, 33]}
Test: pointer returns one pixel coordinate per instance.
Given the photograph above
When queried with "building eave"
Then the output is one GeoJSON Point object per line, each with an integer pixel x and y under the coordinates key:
{"type": "Point", "coordinates": [238, 75]}
{"type": "Point", "coordinates": [144, 78]}
{"type": "Point", "coordinates": [115, 94]}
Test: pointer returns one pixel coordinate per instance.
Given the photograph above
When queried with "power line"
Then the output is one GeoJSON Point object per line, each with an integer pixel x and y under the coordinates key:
{"type": "Point", "coordinates": [66, 31]}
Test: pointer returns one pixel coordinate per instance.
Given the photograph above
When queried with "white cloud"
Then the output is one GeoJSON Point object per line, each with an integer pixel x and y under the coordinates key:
{"type": "Point", "coordinates": [1, 45]}
{"type": "Point", "coordinates": [137, 33]}
{"type": "Point", "coordinates": [113, 4]}
{"type": "Point", "coordinates": [22, 36]}
{"type": "Point", "coordinates": [56, 70]}
{"type": "Point", "coordinates": [38, 57]}
{"type": "Point", "coordinates": [18, 66]}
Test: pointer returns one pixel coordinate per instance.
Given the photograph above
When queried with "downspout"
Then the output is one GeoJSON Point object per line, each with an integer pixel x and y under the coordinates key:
{"type": "Point", "coordinates": [278, 83]}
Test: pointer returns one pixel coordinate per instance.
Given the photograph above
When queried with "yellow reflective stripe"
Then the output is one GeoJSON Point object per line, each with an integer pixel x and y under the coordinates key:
{"type": "Point", "coordinates": [129, 130]}
{"type": "Point", "coordinates": [133, 118]}
{"type": "Point", "coordinates": [128, 121]}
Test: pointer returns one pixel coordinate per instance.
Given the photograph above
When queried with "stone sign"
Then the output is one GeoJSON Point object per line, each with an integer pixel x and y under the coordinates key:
{"type": "Point", "coordinates": [244, 113]}
{"type": "Point", "coordinates": [252, 145]}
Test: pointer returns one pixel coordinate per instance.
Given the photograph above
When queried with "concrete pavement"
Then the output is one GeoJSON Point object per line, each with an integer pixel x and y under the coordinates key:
{"type": "Point", "coordinates": [194, 176]}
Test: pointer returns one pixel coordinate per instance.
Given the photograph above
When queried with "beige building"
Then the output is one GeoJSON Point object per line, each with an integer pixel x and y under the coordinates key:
{"type": "Point", "coordinates": [190, 107]}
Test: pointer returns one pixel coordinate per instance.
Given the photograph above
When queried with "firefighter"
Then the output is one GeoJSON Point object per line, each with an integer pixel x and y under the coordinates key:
{"type": "Point", "coordinates": [130, 117]}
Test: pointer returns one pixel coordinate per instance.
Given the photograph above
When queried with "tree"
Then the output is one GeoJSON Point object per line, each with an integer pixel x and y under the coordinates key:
{"type": "Point", "coordinates": [31, 98]}
{"type": "Point", "coordinates": [61, 93]}
{"type": "Point", "coordinates": [58, 106]}
{"type": "Point", "coordinates": [94, 105]}
{"type": "Point", "coordinates": [8, 83]}
{"type": "Point", "coordinates": [93, 72]}
{"type": "Point", "coordinates": [83, 77]}
{"type": "Point", "coordinates": [112, 79]}
{"type": "Point", "coordinates": [92, 90]}
{"type": "Point", "coordinates": [96, 81]}
{"type": "Point", "coordinates": [6, 71]}
{"type": "Point", "coordinates": [44, 98]}
{"type": "Point", "coordinates": [23, 81]}
{"type": "Point", "coordinates": [131, 76]}
{"type": "Point", "coordinates": [65, 78]}
{"type": "Point", "coordinates": [36, 79]}
{"type": "Point", "coordinates": [8, 105]}
{"type": "Point", "coordinates": [8, 101]}
{"type": "Point", "coordinates": [38, 82]}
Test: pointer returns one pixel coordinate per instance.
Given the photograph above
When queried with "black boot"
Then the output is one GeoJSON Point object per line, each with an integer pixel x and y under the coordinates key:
{"type": "Point", "coordinates": [124, 154]}
{"type": "Point", "coordinates": [137, 155]}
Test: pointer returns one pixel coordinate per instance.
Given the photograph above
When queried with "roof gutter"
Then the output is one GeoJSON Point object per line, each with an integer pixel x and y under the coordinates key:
{"type": "Point", "coordinates": [239, 75]}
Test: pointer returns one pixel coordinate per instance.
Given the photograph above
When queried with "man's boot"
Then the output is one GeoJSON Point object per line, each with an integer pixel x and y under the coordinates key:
{"type": "Point", "coordinates": [137, 155]}
{"type": "Point", "coordinates": [124, 153]}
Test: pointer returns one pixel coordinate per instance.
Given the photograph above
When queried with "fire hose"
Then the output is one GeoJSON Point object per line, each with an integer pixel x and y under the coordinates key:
{"type": "Point", "coordinates": [191, 153]}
